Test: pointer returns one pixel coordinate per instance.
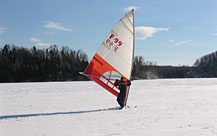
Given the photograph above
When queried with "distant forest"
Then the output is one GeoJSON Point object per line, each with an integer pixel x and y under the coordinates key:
{"type": "Point", "coordinates": [19, 64]}
{"type": "Point", "coordinates": [149, 70]}
{"type": "Point", "coordinates": [206, 66]}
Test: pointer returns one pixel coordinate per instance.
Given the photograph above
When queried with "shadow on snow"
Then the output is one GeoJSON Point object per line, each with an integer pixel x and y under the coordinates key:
{"type": "Point", "coordinates": [56, 113]}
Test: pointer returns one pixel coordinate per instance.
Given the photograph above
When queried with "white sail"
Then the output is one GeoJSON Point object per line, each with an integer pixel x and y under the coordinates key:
{"type": "Point", "coordinates": [114, 58]}
{"type": "Point", "coordinates": [120, 56]}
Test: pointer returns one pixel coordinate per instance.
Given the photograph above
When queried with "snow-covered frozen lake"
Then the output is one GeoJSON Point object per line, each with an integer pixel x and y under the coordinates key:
{"type": "Point", "coordinates": [164, 107]}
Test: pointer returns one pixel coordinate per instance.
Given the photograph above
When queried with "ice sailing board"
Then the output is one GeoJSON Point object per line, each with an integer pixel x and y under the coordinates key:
{"type": "Point", "coordinates": [114, 58]}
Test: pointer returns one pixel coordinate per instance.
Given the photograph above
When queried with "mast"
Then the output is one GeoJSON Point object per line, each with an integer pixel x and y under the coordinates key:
{"type": "Point", "coordinates": [133, 45]}
{"type": "Point", "coordinates": [128, 89]}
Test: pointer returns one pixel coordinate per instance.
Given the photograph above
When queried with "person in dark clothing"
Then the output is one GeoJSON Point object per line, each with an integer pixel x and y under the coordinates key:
{"type": "Point", "coordinates": [122, 84]}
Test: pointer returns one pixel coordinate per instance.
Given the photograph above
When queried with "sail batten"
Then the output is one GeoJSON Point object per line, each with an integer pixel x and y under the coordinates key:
{"type": "Point", "coordinates": [126, 26]}
{"type": "Point", "coordinates": [130, 20]}
{"type": "Point", "coordinates": [114, 58]}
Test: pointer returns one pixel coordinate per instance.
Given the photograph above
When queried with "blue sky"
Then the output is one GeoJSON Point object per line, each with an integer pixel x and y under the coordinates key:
{"type": "Point", "coordinates": [170, 32]}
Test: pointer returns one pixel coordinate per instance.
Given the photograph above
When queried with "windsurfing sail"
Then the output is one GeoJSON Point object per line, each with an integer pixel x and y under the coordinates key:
{"type": "Point", "coordinates": [114, 58]}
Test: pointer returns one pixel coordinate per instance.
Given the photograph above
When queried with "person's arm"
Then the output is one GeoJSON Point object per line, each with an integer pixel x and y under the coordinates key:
{"type": "Point", "coordinates": [116, 83]}
{"type": "Point", "coordinates": [128, 82]}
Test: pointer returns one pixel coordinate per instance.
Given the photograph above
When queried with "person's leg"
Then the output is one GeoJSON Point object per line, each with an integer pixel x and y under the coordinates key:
{"type": "Point", "coordinates": [119, 100]}
{"type": "Point", "coordinates": [122, 101]}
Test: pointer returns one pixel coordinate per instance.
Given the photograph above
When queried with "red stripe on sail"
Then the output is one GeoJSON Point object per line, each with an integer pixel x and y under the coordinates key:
{"type": "Point", "coordinates": [97, 67]}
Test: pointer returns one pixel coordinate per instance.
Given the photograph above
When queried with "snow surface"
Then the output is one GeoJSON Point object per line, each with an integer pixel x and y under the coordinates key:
{"type": "Point", "coordinates": [165, 107]}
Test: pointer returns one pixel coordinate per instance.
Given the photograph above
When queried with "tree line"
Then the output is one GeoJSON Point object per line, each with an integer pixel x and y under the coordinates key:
{"type": "Point", "coordinates": [205, 66]}
{"type": "Point", "coordinates": [19, 64]}
{"type": "Point", "coordinates": [149, 70]}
